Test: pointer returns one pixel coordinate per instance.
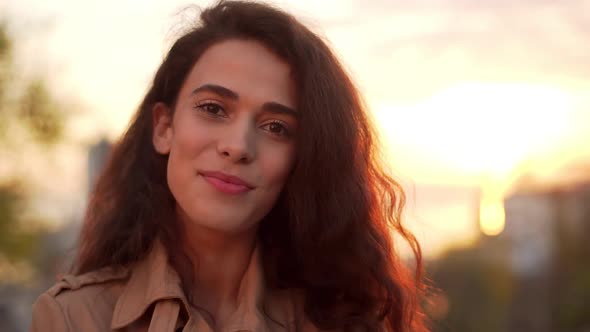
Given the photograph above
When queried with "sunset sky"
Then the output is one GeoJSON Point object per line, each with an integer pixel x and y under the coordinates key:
{"type": "Point", "coordinates": [466, 93]}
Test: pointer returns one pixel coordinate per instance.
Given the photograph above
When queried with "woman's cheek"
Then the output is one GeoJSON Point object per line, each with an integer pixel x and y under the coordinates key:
{"type": "Point", "coordinates": [193, 136]}
{"type": "Point", "coordinates": [278, 163]}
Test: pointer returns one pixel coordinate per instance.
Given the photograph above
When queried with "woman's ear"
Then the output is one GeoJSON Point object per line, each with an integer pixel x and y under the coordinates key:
{"type": "Point", "coordinates": [162, 131]}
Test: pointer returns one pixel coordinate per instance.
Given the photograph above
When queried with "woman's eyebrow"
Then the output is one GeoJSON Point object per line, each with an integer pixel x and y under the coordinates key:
{"type": "Point", "coordinates": [217, 89]}
{"type": "Point", "coordinates": [271, 107]}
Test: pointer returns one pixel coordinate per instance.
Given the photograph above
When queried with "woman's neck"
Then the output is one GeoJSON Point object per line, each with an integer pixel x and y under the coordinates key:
{"type": "Point", "coordinates": [220, 261]}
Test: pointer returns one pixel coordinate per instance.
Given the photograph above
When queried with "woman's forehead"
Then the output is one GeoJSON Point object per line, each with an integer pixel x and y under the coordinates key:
{"type": "Point", "coordinates": [245, 66]}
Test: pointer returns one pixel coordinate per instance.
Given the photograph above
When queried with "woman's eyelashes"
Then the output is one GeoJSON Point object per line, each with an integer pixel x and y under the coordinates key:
{"type": "Point", "coordinates": [277, 128]}
{"type": "Point", "coordinates": [211, 108]}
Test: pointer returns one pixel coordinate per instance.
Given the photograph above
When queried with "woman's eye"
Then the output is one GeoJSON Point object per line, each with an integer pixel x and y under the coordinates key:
{"type": "Point", "coordinates": [277, 128]}
{"type": "Point", "coordinates": [211, 108]}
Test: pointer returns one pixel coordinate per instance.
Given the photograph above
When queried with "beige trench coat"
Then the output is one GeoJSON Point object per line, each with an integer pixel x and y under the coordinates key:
{"type": "Point", "coordinates": [149, 297]}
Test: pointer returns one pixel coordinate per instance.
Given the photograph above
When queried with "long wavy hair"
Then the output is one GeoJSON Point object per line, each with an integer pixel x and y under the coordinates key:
{"type": "Point", "coordinates": [330, 234]}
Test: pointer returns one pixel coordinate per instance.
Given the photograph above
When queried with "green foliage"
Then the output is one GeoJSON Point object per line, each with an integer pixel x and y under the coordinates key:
{"type": "Point", "coordinates": [5, 43]}
{"type": "Point", "coordinates": [571, 272]}
{"type": "Point", "coordinates": [571, 310]}
{"type": "Point", "coordinates": [41, 114]}
{"type": "Point", "coordinates": [25, 113]}
{"type": "Point", "coordinates": [16, 243]}
{"type": "Point", "coordinates": [32, 107]}
{"type": "Point", "coordinates": [478, 291]}
{"type": "Point", "coordinates": [5, 52]}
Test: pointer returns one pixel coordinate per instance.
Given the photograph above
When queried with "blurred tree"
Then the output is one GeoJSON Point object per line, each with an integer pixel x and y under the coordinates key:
{"type": "Point", "coordinates": [41, 114]}
{"type": "Point", "coordinates": [16, 242]}
{"type": "Point", "coordinates": [5, 51]}
{"type": "Point", "coordinates": [571, 271]}
{"type": "Point", "coordinates": [29, 116]}
{"type": "Point", "coordinates": [5, 55]}
{"type": "Point", "coordinates": [476, 290]}
{"type": "Point", "coordinates": [33, 108]}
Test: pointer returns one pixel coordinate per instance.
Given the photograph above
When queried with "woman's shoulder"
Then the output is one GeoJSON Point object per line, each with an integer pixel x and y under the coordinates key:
{"type": "Point", "coordinates": [74, 287]}
{"type": "Point", "coordinates": [79, 300]}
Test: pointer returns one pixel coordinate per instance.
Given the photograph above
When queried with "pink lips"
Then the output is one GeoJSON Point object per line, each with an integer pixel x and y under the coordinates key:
{"type": "Point", "coordinates": [226, 183]}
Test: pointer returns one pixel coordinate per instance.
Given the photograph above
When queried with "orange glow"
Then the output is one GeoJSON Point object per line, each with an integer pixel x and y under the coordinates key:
{"type": "Point", "coordinates": [492, 217]}
{"type": "Point", "coordinates": [480, 134]}
{"type": "Point", "coordinates": [454, 109]}
{"type": "Point", "coordinates": [479, 128]}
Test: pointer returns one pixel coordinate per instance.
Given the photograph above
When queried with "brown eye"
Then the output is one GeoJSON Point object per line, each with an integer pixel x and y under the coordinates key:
{"type": "Point", "coordinates": [211, 109]}
{"type": "Point", "coordinates": [277, 128]}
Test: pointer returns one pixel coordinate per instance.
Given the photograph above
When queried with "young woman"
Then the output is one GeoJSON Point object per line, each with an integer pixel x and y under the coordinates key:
{"type": "Point", "coordinates": [245, 196]}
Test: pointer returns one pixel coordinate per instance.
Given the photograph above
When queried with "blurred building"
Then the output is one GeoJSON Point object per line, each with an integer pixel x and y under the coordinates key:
{"type": "Point", "coordinates": [533, 276]}
{"type": "Point", "coordinates": [545, 234]}
{"type": "Point", "coordinates": [98, 155]}
{"type": "Point", "coordinates": [530, 218]}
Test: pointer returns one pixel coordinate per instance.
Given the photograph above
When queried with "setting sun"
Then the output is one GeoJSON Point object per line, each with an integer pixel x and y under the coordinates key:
{"type": "Point", "coordinates": [492, 217]}
{"type": "Point", "coordinates": [478, 128]}
{"type": "Point", "coordinates": [478, 134]}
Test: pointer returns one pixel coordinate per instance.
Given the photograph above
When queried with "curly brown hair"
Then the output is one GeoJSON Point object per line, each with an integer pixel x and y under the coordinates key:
{"type": "Point", "coordinates": [330, 232]}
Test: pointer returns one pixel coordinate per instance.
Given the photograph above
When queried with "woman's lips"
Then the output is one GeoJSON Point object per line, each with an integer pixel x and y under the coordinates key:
{"type": "Point", "coordinates": [226, 183]}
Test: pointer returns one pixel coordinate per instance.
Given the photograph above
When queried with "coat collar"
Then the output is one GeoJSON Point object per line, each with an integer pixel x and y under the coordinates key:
{"type": "Point", "coordinates": [153, 279]}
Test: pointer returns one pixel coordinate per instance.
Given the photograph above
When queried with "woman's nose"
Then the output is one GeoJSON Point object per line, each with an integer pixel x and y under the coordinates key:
{"type": "Point", "coordinates": [237, 142]}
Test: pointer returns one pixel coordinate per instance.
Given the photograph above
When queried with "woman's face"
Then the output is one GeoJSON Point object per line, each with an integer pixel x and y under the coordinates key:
{"type": "Point", "coordinates": [231, 139]}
